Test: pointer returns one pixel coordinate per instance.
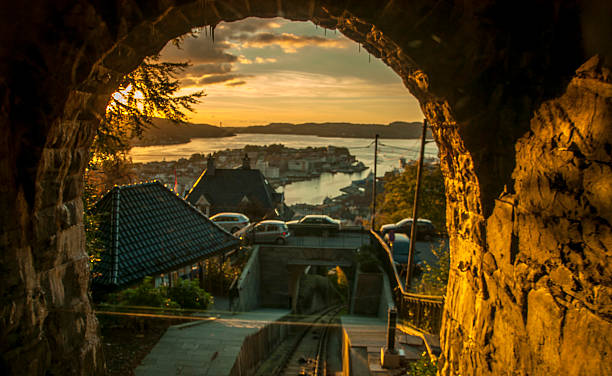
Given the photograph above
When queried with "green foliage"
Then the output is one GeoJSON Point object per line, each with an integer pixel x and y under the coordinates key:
{"type": "Point", "coordinates": [340, 282]}
{"type": "Point", "coordinates": [146, 93]}
{"type": "Point", "coordinates": [423, 367]}
{"type": "Point", "coordinates": [219, 276]}
{"type": "Point", "coordinates": [368, 263]}
{"type": "Point", "coordinates": [145, 294]}
{"type": "Point", "coordinates": [187, 294]}
{"type": "Point", "coordinates": [94, 245]}
{"type": "Point", "coordinates": [435, 277]}
{"type": "Point", "coordinates": [396, 202]}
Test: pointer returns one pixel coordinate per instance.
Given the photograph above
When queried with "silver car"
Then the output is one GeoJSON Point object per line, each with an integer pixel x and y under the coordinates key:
{"type": "Point", "coordinates": [232, 222]}
{"type": "Point", "coordinates": [269, 231]}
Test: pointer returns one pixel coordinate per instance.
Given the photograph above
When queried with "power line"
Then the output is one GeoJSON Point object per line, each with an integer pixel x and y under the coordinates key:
{"type": "Point", "coordinates": [415, 149]}
{"type": "Point", "coordinates": [362, 147]}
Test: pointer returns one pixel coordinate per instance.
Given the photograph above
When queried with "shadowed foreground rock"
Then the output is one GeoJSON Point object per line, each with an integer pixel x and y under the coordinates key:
{"type": "Point", "coordinates": [520, 106]}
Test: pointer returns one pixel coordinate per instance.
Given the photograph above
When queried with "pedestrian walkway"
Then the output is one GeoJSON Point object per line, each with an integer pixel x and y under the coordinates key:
{"type": "Point", "coordinates": [205, 347]}
{"type": "Point", "coordinates": [367, 335]}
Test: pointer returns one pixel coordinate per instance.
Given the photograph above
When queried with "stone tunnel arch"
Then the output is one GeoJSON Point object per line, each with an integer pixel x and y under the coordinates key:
{"type": "Point", "coordinates": [530, 241]}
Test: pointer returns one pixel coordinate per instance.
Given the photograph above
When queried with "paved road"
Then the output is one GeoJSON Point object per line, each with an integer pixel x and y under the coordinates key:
{"type": "Point", "coordinates": [205, 348]}
{"type": "Point", "coordinates": [423, 249]}
{"type": "Point", "coordinates": [354, 240]}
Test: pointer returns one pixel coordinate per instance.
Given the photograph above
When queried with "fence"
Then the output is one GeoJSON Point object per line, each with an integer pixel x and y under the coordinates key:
{"type": "Point", "coordinates": [423, 312]}
{"type": "Point", "coordinates": [259, 346]}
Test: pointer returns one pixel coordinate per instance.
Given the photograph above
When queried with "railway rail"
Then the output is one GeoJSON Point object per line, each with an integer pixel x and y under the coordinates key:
{"type": "Point", "coordinates": [304, 352]}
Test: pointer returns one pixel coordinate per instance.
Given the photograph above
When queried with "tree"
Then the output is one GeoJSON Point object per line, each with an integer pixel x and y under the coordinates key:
{"type": "Point", "coordinates": [146, 93]}
{"type": "Point", "coordinates": [434, 278]}
{"type": "Point", "coordinates": [396, 202]}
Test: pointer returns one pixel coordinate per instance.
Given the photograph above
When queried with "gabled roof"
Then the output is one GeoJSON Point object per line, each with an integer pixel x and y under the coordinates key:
{"type": "Point", "coordinates": [226, 188]}
{"type": "Point", "coordinates": [147, 229]}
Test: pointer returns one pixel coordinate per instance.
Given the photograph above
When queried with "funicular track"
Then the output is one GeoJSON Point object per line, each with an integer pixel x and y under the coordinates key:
{"type": "Point", "coordinates": [305, 351]}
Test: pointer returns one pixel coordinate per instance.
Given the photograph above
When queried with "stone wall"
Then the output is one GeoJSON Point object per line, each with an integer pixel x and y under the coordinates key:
{"type": "Point", "coordinates": [520, 112]}
{"type": "Point", "coordinates": [539, 288]}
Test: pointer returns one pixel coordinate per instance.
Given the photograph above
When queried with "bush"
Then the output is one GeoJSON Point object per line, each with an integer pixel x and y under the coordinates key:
{"type": "Point", "coordinates": [340, 282]}
{"type": "Point", "coordinates": [145, 294]}
{"type": "Point", "coordinates": [188, 294]}
{"type": "Point", "coordinates": [368, 263]}
{"type": "Point", "coordinates": [396, 202]}
{"type": "Point", "coordinates": [423, 367]}
{"type": "Point", "coordinates": [218, 276]}
{"type": "Point", "coordinates": [435, 277]}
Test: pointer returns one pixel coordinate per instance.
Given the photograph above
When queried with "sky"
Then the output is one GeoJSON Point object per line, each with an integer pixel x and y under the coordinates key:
{"type": "Point", "coordinates": [259, 71]}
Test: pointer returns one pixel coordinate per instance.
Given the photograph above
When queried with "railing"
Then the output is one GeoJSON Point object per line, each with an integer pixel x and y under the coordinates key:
{"type": "Point", "coordinates": [420, 311]}
{"type": "Point", "coordinates": [423, 312]}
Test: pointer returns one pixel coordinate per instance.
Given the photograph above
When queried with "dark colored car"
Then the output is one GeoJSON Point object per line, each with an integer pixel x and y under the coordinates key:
{"type": "Point", "coordinates": [400, 247]}
{"type": "Point", "coordinates": [315, 225]}
{"type": "Point", "coordinates": [425, 229]}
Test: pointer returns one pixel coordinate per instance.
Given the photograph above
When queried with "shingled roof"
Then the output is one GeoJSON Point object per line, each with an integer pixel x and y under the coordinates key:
{"type": "Point", "coordinates": [147, 229]}
{"type": "Point", "coordinates": [226, 189]}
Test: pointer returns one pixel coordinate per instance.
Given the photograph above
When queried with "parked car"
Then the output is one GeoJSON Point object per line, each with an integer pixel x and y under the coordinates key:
{"type": "Point", "coordinates": [269, 231]}
{"type": "Point", "coordinates": [315, 225]}
{"type": "Point", "coordinates": [425, 229]}
{"type": "Point", "coordinates": [232, 222]}
{"type": "Point", "coordinates": [400, 247]}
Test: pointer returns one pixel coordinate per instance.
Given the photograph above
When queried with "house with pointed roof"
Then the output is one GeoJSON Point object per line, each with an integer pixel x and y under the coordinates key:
{"type": "Point", "coordinates": [243, 190]}
{"type": "Point", "coordinates": [147, 230]}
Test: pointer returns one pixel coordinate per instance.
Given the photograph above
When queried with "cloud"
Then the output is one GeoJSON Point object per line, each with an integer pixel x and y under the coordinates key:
{"type": "Point", "coordinates": [244, 60]}
{"type": "Point", "coordinates": [216, 62]}
{"type": "Point", "coordinates": [258, 60]}
{"type": "Point", "coordinates": [204, 69]}
{"type": "Point", "coordinates": [250, 25]}
{"type": "Point", "coordinates": [261, 60]}
{"type": "Point", "coordinates": [236, 83]}
{"type": "Point", "coordinates": [212, 61]}
{"type": "Point", "coordinates": [219, 78]}
{"type": "Point", "coordinates": [205, 51]}
{"type": "Point", "coordinates": [290, 43]}
{"type": "Point", "coordinates": [187, 82]}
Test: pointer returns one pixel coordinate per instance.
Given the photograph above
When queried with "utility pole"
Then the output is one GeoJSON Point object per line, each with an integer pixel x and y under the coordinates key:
{"type": "Point", "coordinates": [372, 216]}
{"type": "Point", "coordinates": [415, 208]}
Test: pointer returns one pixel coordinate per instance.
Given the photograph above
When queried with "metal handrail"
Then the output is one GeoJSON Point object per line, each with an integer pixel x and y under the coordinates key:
{"type": "Point", "coordinates": [423, 312]}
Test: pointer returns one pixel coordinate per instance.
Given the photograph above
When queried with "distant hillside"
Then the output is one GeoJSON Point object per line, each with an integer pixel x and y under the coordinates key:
{"type": "Point", "coordinates": [165, 132]}
{"type": "Point", "coordinates": [396, 129]}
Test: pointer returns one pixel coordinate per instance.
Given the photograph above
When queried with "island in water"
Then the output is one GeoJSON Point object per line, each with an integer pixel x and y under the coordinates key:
{"type": "Point", "coordinates": [166, 132]}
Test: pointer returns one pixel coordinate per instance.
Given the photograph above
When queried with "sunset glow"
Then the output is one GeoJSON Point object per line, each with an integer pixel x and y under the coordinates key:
{"type": "Point", "coordinates": [259, 71]}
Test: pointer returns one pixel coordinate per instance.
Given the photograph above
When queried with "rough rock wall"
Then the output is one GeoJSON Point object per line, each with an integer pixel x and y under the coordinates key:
{"type": "Point", "coordinates": [536, 298]}
{"type": "Point", "coordinates": [46, 322]}
{"type": "Point", "coordinates": [529, 238]}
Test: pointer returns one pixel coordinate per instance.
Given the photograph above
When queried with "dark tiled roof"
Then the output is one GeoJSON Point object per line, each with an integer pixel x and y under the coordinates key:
{"type": "Point", "coordinates": [147, 229]}
{"type": "Point", "coordinates": [227, 187]}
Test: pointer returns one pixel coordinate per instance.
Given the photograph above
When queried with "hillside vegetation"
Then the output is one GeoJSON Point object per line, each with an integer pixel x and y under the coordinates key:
{"type": "Point", "coordinates": [166, 132]}
{"type": "Point", "coordinates": [397, 129]}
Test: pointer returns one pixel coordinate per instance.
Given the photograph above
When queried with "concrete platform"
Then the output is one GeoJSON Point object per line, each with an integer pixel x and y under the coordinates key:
{"type": "Point", "coordinates": [367, 335]}
{"type": "Point", "coordinates": [207, 347]}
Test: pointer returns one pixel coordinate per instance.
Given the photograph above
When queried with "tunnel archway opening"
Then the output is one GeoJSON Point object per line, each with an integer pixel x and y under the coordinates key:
{"type": "Point", "coordinates": [238, 70]}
